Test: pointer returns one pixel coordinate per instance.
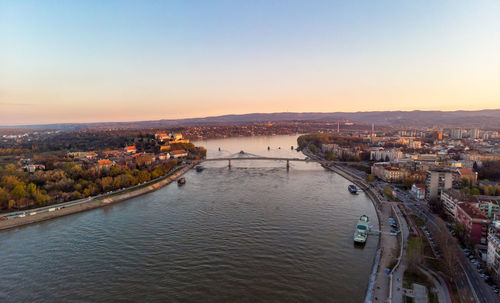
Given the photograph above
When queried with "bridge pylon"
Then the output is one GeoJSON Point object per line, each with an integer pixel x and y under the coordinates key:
{"type": "Point", "coordinates": [229, 163]}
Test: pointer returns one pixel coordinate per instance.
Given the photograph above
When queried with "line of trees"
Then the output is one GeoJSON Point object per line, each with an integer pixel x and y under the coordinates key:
{"type": "Point", "coordinates": [70, 181]}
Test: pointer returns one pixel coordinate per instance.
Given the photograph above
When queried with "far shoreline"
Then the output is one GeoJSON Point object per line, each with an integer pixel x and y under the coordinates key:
{"type": "Point", "coordinates": [59, 210]}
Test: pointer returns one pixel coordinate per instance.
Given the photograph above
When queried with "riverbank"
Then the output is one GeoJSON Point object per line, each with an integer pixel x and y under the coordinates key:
{"type": "Point", "coordinates": [58, 210]}
{"type": "Point", "coordinates": [389, 248]}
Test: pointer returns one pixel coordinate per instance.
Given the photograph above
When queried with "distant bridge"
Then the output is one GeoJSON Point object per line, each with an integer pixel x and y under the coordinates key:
{"type": "Point", "coordinates": [259, 158]}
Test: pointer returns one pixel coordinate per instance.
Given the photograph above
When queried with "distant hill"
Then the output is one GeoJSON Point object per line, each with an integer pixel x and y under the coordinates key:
{"type": "Point", "coordinates": [481, 118]}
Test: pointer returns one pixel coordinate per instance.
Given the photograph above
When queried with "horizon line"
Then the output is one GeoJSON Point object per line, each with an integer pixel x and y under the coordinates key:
{"type": "Point", "coordinates": [244, 114]}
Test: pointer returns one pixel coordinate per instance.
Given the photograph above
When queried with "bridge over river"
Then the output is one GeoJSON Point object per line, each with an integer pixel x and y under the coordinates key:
{"type": "Point", "coordinates": [251, 157]}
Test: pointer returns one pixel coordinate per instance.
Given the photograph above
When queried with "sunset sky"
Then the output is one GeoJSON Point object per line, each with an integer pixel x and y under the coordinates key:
{"type": "Point", "coordinates": [87, 61]}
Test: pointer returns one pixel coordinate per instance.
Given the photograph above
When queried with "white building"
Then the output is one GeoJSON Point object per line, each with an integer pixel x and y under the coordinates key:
{"type": "Point", "coordinates": [456, 133]}
{"type": "Point", "coordinates": [418, 190]}
{"type": "Point", "coordinates": [384, 155]}
{"type": "Point", "coordinates": [450, 203]}
{"type": "Point", "coordinates": [493, 256]}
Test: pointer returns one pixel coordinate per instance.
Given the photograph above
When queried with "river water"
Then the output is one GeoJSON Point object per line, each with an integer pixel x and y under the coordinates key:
{"type": "Point", "coordinates": [252, 233]}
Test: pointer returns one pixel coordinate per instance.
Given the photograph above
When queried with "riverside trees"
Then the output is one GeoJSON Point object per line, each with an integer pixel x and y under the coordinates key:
{"type": "Point", "coordinates": [69, 180]}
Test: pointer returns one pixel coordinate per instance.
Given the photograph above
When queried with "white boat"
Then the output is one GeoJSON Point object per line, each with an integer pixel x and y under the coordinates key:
{"type": "Point", "coordinates": [361, 233]}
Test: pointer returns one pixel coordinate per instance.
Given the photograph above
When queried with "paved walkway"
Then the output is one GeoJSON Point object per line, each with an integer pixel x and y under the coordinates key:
{"type": "Point", "coordinates": [397, 276]}
{"type": "Point", "coordinates": [389, 252]}
{"type": "Point", "coordinates": [439, 284]}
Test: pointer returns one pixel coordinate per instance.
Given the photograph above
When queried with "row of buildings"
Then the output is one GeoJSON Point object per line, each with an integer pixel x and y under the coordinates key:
{"type": "Point", "coordinates": [479, 217]}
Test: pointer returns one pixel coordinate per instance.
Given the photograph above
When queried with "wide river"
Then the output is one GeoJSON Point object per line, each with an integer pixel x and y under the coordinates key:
{"type": "Point", "coordinates": [252, 233]}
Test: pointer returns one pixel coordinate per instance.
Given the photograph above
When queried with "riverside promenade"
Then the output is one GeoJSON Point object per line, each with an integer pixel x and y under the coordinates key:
{"type": "Point", "coordinates": [386, 286]}
{"type": "Point", "coordinates": [72, 207]}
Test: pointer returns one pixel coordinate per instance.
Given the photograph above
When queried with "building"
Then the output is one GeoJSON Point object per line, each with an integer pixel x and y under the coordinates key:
{"type": "Point", "coordinates": [418, 190]}
{"type": "Point", "coordinates": [415, 144]}
{"type": "Point", "coordinates": [104, 164]}
{"type": "Point", "coordinates": [165, 148]}
{"type": "Point", "coordinates": [456, 133]}
{"type": "Point", "coordinates": [386, 155]}
{"type": "Point", "coordinates": [475, 223]}
{"type": "Point", "coordinates": [162, 137]}
{"type": "Point", "coordinates": [177, 138]}
{"type": "Point", "coordinates": [450, 199]}
{"type": "Point", "coordinates": [389, 173]}
{"type": "Point", "coordinates": [180, 153]}
{"type": "Point", "coordinates": [163, 157]}
{"type": "Point", "coordinates": [130, 149]}
{"type": "Point", "coordinates": [493, 256]}
{"type": "Point", "coordinates": [436, 182]}
{"type": "Point", "coordinates": [467, 174]}
{"type": "Point", "coordinates": [83, 155]}
{"type": "Point", "coordinates": [474, 133]}
{"type": "Point", "coordinates": [31, 168]}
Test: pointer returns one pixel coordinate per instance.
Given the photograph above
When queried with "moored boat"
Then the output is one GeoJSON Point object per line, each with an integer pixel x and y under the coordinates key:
{"type": "Point", "coordinates": [199, 168]}
{"type": "Point", "coordinates": [352, 189]}
{"type": "Point", "coordinates": [181, 181]}
{"type": "Point", "coordinates": [361, 232]}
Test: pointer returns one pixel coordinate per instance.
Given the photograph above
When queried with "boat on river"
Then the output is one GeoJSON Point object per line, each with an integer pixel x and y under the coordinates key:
{"type": "Point", "coordinates": [352, 189]}
{"type": "Point", "coordinates": [181, 181]}
{"type": "Point", "coordinates": [199, 168]}
{"type": "Point", "coordinates": [361, 232]}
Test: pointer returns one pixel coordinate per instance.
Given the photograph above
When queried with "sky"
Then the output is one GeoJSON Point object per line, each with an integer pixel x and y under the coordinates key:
{"type": "Point", "coordinates": [91, 61]}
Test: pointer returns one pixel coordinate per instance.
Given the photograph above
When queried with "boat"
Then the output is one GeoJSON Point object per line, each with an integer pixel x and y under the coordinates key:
{"type": "Point", "coordinates": [181, 181]}
{"type": "Point", "coordinates": [352, 189]}
{"type": "Point", "coordinates": [199, 168]}
{"type": "Point", "coordinates": [361, 232]}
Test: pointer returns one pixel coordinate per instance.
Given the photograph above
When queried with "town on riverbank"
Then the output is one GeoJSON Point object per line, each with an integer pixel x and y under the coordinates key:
{"type": "Point", "coordinates": [436, 191]}
{"type": "Point", "coordinates": [45, 178]}
{"type": "Point", "coordinates": [443, 190]}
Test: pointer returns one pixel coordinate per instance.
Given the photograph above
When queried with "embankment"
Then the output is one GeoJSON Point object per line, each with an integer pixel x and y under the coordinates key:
{"type": "Point", "coordinates": [63, 210]}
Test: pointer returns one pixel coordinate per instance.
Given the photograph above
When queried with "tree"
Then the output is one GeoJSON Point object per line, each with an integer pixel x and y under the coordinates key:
{"type": "Point", "coordinates": [18, 192]}
{"type": "Point", "coordinates": [10, 168]}
{"type": "Point", "coordinates": [143, 160]}
{"type": "Point", "coordinates": [76, 195]}
{"type": "Point", "coordinates": [143, 176]}
{"type": "Point", "coordinates": [106, 183]}
{"type": "Point", "coordinates": [449, 252]}
{"type": "Point", "coordinates": [465, 182]}
{"type": "Point", "coordinates": [330, 156]}
{"type": "Point", "coordinates": [31, 189]}
{"type": "Point", "coordinates": [9, 182]}
{"type": "Point", "coordinates": [489, 190]}
{"type": "Point", "coordinates": [475, 191]}
{"type": "Point", "coordinates": [370, 178]}
{"type": "Point", "coordinates": [4, 198]}
{"type": "Point", "coordinates": [459, 229]}
{"type": "Point", "coordinates": [388, 192]}
{"type": "Point", "coordinates": [42, 199]}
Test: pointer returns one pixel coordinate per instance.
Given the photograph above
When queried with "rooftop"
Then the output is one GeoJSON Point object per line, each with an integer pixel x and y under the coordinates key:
{"type": "Point", "coordinates": [472, 211]}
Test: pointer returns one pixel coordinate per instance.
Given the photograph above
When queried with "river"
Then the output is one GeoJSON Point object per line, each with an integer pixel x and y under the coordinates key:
{"type": "Point", "coordinates": [252, 233]}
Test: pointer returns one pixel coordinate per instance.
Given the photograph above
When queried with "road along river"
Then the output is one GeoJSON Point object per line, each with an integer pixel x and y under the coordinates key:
{"type": "Point", "coordinates": [255, 232]}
